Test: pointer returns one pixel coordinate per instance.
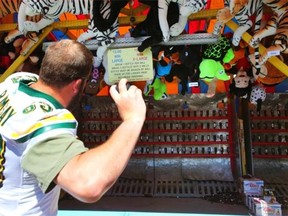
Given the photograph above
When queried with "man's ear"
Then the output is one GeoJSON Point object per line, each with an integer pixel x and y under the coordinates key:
{"type": "Point", "coordinates": [76, 85]}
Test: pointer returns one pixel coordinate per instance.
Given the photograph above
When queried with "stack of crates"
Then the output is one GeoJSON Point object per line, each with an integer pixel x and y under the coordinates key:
{"type": "Point", "coordinates": [259, 200]}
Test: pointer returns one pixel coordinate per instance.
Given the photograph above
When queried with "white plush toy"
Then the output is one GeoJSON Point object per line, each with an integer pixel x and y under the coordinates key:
{"type": "Point", "coordinates": [53, 9]}
{"type": "Point", "coordinates": [186, 8]}
{"type": "Point", "coordinates": [258, 95]}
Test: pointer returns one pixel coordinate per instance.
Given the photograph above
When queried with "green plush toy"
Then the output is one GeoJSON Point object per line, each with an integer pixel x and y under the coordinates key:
{"type": "Point", "coordinates": [215, 56]}
{"type": "Point", "coordinates": [211, 69]}
{"type": "Point", "coordinates": [212, 64]}
{"type": "Point", "coordinates": [159, 88]}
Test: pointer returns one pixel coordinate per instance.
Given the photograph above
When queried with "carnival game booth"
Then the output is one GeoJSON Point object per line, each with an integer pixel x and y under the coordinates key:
{"type": "Point", "coordinates": [203, 132]}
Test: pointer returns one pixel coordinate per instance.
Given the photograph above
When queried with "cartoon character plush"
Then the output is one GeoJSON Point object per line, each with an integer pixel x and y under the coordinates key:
{"type": "Point", "coordinates": [95, 83]}
{"type": "Point", "coordinates": [186, 66]}
{"type": "Point", "coordinates": [241, 84]}
{"type": "Point", "coordinates": [181, 72]}
{"type": "Point", "coordinates": [186, 8]}
{"type": "Point", "coordinates": [169, 66]}
{"type": "Point", "coordinates": [166, 57]}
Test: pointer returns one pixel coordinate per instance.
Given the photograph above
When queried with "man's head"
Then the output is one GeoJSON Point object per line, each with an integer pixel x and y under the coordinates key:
{"type": "Point", "coordinates": [65, 68]}
{"type": "Point", "coordinates": [64, 62]}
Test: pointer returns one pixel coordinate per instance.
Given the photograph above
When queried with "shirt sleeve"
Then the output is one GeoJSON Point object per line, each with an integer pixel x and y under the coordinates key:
{"type": "Point", "coordinates": [46, 159]}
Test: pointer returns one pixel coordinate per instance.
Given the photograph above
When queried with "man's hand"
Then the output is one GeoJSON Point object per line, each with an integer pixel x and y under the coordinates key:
{"type": "Point", "coordinates": [130, 102]}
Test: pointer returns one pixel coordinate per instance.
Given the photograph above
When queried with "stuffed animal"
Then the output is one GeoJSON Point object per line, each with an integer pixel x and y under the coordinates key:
{"type": "Point", "coordinates": [186, 67]}
{"type": "Point", "coordinates": [159, 88]}
{"type": "Point", "coordinates": [240, 59]}
{"type": "Point", "coordinates": [243, 11]}
{"type": "Point", "coordinates": [210, 72]}
{"type": "Point", "coordinates": [33, 63]}
{"type": "Point", "coordinates": [269, 75]}
{"type": "Point", "coordinates": [12, 7]}
{"type": "Point", "coordinates": [169, 66]}
{"type": "Point", "coordinates": [221, 50]}
{"type": "Point", "coordinates": [52, 9]}
{"type": "Point", "coordinates": [186, 8]}
{"type": "Point", "coordinates": [276, 25]}
{"type": "Point", "coordinates": [211, 66]}
{"type": "Point", "coordinates": [95, 83]}
{"type": "Point", "coordinates": [190, 56]}
{"type": "Point", "coordinates": [9, 7]}
{"type": "Point", "coordinates": [181, 72]}
{"type": "Point", "coordinates": [105, 22]}
{"type": "Point", "coordinates": [151, 27]}
{"type": "Point", "coordinates": [241, 84]}
{"type": "Point", "coordinates": [166, 57]}
{"type": "Point", "coordinates": [7, 54]}
{"type": "Point", "coordinates": [105, 17]}
{"type": "Point", "coordinates": [258, 95]}
{"type": "Point", "coordinates": [210, 69]}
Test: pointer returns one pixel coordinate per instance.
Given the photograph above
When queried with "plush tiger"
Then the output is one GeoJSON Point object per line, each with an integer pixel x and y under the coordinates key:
{"type": "Point", "coordinates": [277, 25]}
{"type": "Point", "coordinates": [53, 9]}
{"type": "Point", "coordinates": [269, 76]}
{"type": "Point", "coordinates": [242, 11]}
{"type": "Point", "coordinates": [9, 7]}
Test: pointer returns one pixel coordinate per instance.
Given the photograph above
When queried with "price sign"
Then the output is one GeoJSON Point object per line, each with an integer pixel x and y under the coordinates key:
{"type": "Point", "coordinates": [130, 64]}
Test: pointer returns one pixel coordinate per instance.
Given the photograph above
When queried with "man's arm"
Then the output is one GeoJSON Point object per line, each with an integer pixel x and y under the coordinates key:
{"type": "Point", "coordinates": [89, 175]}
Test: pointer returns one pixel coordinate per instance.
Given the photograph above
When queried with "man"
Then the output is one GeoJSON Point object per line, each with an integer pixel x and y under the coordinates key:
{"type": "Point", "coordinates": [39, 150]}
